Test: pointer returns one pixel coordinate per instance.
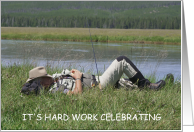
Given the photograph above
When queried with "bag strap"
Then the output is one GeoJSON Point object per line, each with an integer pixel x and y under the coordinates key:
{"type": "Point", "coordinates": [89, 80]}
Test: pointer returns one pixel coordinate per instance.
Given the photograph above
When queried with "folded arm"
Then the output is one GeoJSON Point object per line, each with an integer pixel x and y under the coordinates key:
{"type": "Point", "coordinates": [78, 84]}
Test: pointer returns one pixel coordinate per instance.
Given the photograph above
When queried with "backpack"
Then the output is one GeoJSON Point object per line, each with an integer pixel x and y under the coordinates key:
{"type": "Point", "coordinates": [31, 87]}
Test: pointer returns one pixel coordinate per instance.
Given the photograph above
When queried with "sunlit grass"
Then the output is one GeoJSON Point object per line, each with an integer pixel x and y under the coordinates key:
{"type": "Point", "coordinates": [98, 35]}
{"type": "Point", "coordinates": [165, 102]}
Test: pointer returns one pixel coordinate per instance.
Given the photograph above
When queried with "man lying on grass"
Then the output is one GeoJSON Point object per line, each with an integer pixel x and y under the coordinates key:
{"type": "Point", "coordinates": [72, 82]}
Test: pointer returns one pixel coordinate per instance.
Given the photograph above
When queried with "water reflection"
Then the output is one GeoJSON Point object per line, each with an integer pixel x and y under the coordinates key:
{"type": "Point", "coordinates": [151, 59]}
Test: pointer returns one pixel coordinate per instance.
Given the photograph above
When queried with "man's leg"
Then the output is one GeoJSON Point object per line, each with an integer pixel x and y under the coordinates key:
{"type": "Point", "coordinates": [119, 66]}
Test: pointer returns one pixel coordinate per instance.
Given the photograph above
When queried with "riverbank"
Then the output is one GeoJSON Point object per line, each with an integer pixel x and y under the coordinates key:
{"type": "Point", "coordinates": [142, 109]}
{"type": "Point", "coordinates": [153, 36]}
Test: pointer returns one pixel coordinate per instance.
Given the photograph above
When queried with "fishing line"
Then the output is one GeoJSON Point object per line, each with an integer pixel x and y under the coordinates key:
{"type": "Point", "coordinates": [93, 52]}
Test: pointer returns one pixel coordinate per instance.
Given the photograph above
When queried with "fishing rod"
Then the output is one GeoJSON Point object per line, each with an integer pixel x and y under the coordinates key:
{"type": "Point", "coordinates": [94, 54]}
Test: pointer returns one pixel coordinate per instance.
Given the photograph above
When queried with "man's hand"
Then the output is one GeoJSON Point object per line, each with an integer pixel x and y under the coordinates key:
{"type": "Point", "coordinates": [77, 75]}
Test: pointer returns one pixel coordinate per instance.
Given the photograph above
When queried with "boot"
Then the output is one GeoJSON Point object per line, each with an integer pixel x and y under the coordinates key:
{"type": "Point", "coordinates": [169, 78]}
{"type": "Point", "coordinates": [158, 85]}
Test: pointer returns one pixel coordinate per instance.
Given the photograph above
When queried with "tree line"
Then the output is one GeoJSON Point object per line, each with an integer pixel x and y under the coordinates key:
{"type": "Point", "coordinates": [92, 22]}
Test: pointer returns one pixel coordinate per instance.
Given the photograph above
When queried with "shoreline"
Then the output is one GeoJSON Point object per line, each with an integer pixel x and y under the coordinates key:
{"type": "Point", "coordinates": [137, 42]}
{"type": "Point", "coordinates": [152, 36]}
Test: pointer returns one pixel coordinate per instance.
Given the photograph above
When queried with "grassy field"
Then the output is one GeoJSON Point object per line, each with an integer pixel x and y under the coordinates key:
{"type": "Point", "coordinates": [56, 111]}
{"type": "Point", "coordinates": [157, 36]}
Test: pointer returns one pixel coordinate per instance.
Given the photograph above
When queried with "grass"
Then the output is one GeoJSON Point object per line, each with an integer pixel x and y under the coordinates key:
{"type": "Point", "coordinates": [166, 102]}
{"type": "Point", "coordinates": [156, 36]}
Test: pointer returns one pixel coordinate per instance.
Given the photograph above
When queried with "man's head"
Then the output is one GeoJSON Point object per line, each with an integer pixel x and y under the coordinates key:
{"type": "Point", "coordinates": [46, 81]}
{"type": "Point", "coordinates": [40, 74]}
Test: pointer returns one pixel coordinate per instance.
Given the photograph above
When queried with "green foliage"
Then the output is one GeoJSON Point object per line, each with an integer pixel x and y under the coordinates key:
{"type": "Point", "coordinates": [109, 14]}
{"type": "Point", "coordinates": [166, 102]}
{"type": "Point", "coordinates": [35, 7]}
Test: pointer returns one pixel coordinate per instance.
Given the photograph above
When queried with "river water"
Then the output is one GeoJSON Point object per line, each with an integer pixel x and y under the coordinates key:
{"type": "Point", "coordinates": [150, 59]}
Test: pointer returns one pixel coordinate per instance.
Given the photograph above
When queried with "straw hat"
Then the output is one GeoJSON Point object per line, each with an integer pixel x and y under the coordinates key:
{"type": "Point", "coordinates": [38, 72]}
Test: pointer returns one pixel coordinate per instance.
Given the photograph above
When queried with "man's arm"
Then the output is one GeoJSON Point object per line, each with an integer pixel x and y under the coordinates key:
{"type": "Point", "coordinates": [78, 84]}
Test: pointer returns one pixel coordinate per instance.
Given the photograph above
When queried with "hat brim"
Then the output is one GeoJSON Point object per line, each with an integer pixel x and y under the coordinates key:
{"type": "Point", "coordinates": [29, 79]}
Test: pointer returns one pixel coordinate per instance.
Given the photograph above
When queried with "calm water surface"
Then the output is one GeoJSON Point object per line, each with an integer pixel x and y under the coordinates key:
{"type": "Point", "coordinates": [151, 59]}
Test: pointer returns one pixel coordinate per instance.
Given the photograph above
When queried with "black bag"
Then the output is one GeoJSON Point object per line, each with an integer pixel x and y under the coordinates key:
{"type": "Point", "coordinates": [31, 87]}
